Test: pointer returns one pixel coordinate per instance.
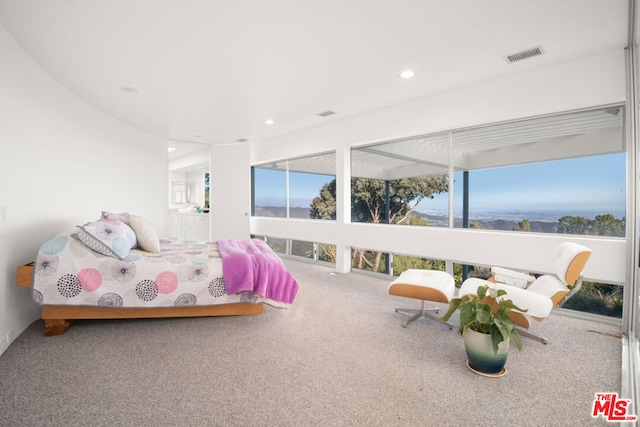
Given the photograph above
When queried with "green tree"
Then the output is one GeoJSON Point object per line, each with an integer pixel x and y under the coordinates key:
{"type": "Point", "coordinates": [607, 225]}
{"type": "Point", "coordinates": [405, 262]}
{"type": "Point", "coordinates": [368, 205]}
{"type": "Point", "coordinates": [573, 225]}
{"type": "Point", "coordinates": [368, 197]}
{"type": "Point", "coordinates": [598, 298]}
{"type": "Point", "coordinates": [327, 253]}
{"type": "Point", "coordinates": [417, 219]}
{"type": "Point", "coordinates": [206, 190]}
{"type": "Point", "coordinates": [324, 205]}
{"type": "Point", "coordinates": [524, 225]}
{"type": "Point", "coordinates": [602, 225]}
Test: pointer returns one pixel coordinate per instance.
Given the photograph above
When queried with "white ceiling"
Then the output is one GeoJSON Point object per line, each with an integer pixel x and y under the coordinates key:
{"type": "Point", "coordinates": [213, 71]}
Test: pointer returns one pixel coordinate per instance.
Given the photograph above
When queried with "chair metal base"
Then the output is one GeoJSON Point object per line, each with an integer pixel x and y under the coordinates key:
{"type": "Point", "coordinates": [535, 337]}
{"type": "Point", "coordinates": [416, 313]}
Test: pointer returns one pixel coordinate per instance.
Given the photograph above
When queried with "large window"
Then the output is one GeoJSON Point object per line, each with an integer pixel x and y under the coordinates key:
{"type": "Point", "coordinates": [269, 191]}
{"type": "Point", "coordinates": [575, 196]}
{"type": "Point", "coordinates": [556, 174]}
{"type": "Point", "coordinates": [295, 188]}
{"type": "Point", "coordinates": [402, 182]}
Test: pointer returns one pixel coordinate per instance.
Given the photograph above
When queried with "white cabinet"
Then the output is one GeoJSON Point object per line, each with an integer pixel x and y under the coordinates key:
{"type": "Point", "coordinates": [195, 227]}
{"type": "Point", "coordinates": [187, 226]}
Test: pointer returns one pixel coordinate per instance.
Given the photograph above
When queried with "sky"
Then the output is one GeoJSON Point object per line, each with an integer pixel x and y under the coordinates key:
{"type": "Point", "coordinates": [589, 183]}
{"type": "Point", "coordinates": [303, 187]}
{"type": "Point", "coordinates": [575, 185]}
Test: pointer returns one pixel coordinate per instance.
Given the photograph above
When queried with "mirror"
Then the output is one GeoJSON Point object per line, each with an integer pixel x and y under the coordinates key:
{"type": "Point", "coordinates": [188, 173]}
{"type": "Point", "coordinates": [178, 192]}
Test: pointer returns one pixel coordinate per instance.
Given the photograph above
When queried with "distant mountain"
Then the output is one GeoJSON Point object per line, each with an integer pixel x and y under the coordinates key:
{"type": "Point", "coordinates": [433, 220]}
{"type": "Point", "coordinates": [492, 224]}
{"type": "Point", "coordinates": [281, 212]}
{"type": "Point", "coordinates": [502, 224]}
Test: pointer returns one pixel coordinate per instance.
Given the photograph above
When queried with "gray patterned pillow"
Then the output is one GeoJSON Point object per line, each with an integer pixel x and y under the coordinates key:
{"type": "Point", "coordinates": [109, 237]}
{"type": "Point", "coordinates": [124, 216]}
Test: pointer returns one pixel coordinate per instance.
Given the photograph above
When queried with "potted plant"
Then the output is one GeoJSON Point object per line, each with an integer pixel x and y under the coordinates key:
{"type": "Point", "coordinates": [486, 328]}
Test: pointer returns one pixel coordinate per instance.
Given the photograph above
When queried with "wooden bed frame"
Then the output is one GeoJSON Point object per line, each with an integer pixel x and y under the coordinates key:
{"type": "Point", "coordinates": [58, 318]}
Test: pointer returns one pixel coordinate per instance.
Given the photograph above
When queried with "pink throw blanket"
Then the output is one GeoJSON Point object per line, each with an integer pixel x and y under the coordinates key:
{"type": "Point", "coordinates": [250, 266]}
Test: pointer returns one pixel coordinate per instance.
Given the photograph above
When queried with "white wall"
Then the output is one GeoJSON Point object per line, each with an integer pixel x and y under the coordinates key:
{"type": "Point", "coordinates": [577, 84]}
{"type": "Point", "coordinates": [61, 163]}
{"type": "Point", "coordinates": [229, 205]}
{"type": "Point", "coordinates": [535, 252]}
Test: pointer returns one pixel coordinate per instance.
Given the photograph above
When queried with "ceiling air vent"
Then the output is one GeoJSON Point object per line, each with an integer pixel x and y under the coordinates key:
{"type": "Point", "coordinates": [519, 56]}
{"type": "Point", "coordinates": [326, 113]}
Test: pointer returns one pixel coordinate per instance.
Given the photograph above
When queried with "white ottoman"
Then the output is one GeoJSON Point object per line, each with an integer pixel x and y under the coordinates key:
{"type": "Point", "coordinates": [424, 285]}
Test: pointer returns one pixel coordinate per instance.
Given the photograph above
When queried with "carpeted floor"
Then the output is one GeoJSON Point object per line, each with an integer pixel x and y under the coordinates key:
{"type": "Point", "coordinates": [337, 357]}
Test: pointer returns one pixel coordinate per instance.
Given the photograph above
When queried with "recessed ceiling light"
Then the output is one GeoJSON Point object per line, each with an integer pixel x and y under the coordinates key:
{"type": "Point", "coordinates": [326, 113]}
{"type": "Point", "coordinates": [172, 149]}
{"type": "Point", "coordinates": [407, 74]}
{"type": "Point", "coordinates": [130, 89]}
{"type": "Point", "coordinates": [242, 140]}
{"type": "Point", "coordinates": [269, 122]}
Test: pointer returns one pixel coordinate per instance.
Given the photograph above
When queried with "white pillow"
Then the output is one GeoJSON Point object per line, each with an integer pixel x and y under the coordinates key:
{"type": "Point", "coordinates": [145, 234]}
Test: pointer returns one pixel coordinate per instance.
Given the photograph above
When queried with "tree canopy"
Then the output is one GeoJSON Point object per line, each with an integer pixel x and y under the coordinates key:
{"type": "Point", "coordinates": [368, 198]}
{"type": "Point", "coordinates": [368, 204]}
{"type": "Point", "coordinates": [324, 205]}
{"type": "Point", "coordinates": [602, 225]}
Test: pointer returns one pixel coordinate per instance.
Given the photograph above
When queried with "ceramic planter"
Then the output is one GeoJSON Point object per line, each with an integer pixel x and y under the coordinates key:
{"type": "Point", "coordinates": [480, 355]}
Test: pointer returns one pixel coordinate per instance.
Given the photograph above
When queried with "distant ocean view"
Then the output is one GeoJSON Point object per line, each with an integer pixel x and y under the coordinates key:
{"type": "Point", "coordinates": [485, 216]}
{"type": "Point", "coordinates": [531, 215]}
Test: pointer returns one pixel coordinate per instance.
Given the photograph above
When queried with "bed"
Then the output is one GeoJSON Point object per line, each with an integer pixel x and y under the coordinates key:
{"type": "Point", "coordinates": [115, 269]}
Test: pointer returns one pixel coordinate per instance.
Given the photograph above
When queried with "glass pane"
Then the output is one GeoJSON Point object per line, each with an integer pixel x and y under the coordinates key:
{"type": "Point", "coordinates": [636, 315]}
{"type": "Point", "coordinates": [276, 244]}
{"type": "Point", "coordinates": [308, 196]}
{"type": "Point", "coordinates": [327, 253]}
{"type": "Point", "coordinates": [270, 192]}
{"type": "Point", "coordinates": [463, 272]}
{"type": "Point", "coordinates": [302, 249]}
{"type": "Point", "coordinates": [206, 190]}
{"type": "Point", "coordinates": [404, 262]}
{"type": "Point", "coordinates": [557, 174]}
{"type": "Point", "coordinates": [312, 187]}
{"type": "Point", "coordinates": [411, 174]}
{"type": "Point", "coordinates": [597, 298]}
{"type": "Point", "coordinates": [362, 259]}
{"type": "Point", "coordinates": [575, 196]}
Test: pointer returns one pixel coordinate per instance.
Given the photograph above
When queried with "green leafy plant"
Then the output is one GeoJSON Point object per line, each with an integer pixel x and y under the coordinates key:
{"type": "Point", "coordinates": [487, 313]}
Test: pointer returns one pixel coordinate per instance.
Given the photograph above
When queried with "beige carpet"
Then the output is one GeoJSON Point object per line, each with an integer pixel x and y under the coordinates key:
{"type": "Point", "coordinates": [337, 357]}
